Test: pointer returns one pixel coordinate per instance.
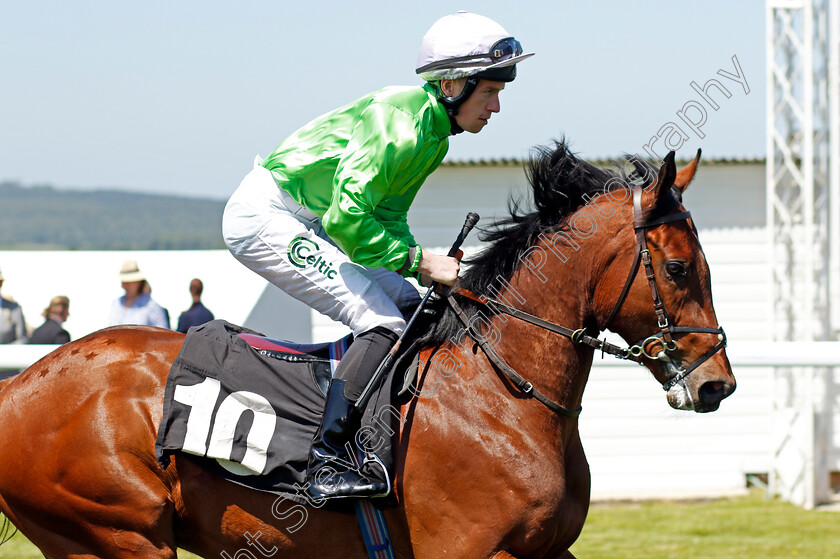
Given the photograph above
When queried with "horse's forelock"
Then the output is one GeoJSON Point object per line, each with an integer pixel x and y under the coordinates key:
{"type": "Point", "coordinates": [645, 174]}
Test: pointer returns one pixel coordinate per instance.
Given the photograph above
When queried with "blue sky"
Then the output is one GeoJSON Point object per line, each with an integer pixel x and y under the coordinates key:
{"type": "Point", "coordinates": [178, 97]}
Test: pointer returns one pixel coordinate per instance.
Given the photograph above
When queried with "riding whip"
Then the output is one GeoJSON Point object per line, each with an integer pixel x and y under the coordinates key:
{"type": "Point", "coordinates": [472, 219]}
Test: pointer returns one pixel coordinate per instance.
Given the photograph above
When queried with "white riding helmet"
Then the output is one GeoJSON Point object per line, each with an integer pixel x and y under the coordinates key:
{"type": "Point", "coordinates": [466, 44]}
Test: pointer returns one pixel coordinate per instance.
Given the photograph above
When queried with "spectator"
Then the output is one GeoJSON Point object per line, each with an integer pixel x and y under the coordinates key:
{"type": "Point", "coordinates": [197, 313]}
{"type": "Point", "coordinates": [12, 324]}
{"type": "Point", "coordinates": [51, 331]}
{"type": "Point", "coordinates": [136, 306]}
{"type": "Point", "coordinates": [147, 289]}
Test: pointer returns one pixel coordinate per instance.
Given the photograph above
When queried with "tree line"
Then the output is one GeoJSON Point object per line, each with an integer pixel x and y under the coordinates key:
{"type": "Point", "coordinates": [48, 218]}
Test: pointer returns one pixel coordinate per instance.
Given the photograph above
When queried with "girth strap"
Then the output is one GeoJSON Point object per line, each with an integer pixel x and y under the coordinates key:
{"type": "Point", "coordinates": [506, 369]}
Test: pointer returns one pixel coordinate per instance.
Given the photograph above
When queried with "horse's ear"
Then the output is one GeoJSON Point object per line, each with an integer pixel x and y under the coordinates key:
{"type": "Point", "coordinates": [686, 174]}
{"type": "Point", "coordinates": [665, 179]}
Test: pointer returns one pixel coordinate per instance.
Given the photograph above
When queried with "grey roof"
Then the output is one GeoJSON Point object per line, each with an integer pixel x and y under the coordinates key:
{"type": "Point", "coordinates": [518, 162]}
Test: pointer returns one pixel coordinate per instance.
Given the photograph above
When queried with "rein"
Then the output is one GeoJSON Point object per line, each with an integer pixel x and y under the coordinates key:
{"type": "Point", "coordinates": [502, 365]}
{"type": "Point", "coordinates": [665, 336]}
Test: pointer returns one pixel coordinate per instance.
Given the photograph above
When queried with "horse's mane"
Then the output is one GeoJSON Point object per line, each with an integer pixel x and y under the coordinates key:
{"type": "Point", "coordinates": [560, 184]}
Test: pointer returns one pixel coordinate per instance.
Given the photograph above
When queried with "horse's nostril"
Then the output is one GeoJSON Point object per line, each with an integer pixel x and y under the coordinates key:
{"type": "Point", "coordinates": [712, 392]}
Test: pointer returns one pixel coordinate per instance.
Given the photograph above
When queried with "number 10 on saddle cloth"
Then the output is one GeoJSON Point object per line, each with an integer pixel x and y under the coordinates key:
{"type": "Point", "coordinates": [249, 414]}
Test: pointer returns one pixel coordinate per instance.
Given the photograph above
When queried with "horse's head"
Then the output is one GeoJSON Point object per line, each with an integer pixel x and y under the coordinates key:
{"type": "Point", "coordinates": [657, 295]}
{"type": "Point", "coordinates": [593, 252]}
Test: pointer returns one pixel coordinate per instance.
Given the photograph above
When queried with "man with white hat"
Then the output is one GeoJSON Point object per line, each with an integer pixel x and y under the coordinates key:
{"type": "Point", "coordinates": [12, 324]}
{"type": "Point", "coordinates": [323, 217]}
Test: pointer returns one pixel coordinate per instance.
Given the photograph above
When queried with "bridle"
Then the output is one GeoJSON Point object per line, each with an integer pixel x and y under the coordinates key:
{"type": "Point", "coordinates": [667, 329]}
{"type": "Point", "coordinates": [664, 337]}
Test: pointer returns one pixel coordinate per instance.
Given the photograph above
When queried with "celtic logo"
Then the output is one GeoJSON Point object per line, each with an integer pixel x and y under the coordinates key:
{"type": "Point", "coordinates": [302, 253]}
{"type": "Point", "coordinates": [299, 249]}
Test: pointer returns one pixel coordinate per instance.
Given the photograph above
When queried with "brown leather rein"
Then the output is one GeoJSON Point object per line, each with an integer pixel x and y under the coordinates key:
{"type": "Point", "coordinates": [664, 338]}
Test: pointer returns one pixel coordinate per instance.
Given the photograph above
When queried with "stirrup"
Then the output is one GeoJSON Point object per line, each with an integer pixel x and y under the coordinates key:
{"type": "Point", "coordinates": [349, 483]}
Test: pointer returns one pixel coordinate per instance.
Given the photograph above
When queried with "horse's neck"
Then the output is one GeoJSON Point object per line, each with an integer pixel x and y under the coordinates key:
{"type": "Point", "coordinates": [557, 281]}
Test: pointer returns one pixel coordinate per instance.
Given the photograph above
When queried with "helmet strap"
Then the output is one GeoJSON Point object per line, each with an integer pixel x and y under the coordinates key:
{"type": "Point", "coordinates": [454, 126]}
{"type": "Point", "coordinates": [453, 104]}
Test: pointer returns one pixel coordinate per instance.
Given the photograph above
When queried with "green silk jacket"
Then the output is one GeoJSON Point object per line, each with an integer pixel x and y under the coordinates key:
{"type": "Point", "coordinates": [359, 168]}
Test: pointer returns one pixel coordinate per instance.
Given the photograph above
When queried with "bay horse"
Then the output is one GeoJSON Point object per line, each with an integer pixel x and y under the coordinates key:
{"type": "Point", "coordinates": [483, 469]}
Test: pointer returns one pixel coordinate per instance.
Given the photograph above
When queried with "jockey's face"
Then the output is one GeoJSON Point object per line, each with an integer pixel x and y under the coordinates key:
{"type": "Point", "coordinates": [476, 110]}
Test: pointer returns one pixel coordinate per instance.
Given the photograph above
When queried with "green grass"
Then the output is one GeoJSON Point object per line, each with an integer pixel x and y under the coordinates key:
{"type": "Point", "coordinates": [20, 548]}
{"type": "Point", "coordinates": [750, 527]}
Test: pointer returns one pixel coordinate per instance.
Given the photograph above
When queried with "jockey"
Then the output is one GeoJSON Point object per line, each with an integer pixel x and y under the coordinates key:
{"type": "Point", "coordinates": [323, 217]}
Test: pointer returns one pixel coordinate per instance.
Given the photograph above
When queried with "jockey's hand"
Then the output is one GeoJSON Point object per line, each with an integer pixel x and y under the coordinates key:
{"type": "Point", "coordinates": [437, 268]}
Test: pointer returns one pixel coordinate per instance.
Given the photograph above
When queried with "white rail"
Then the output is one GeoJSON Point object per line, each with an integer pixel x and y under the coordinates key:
{"type": "Point", "coordinates": [784, 354]}
{"type": "Point", "coordinates": [769, 354]}
{"type": "Point", "coordinates": [21, 356]}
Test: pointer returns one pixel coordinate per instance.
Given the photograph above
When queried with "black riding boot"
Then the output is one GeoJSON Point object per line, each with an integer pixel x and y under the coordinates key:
{"type": "Point", "coordinates": [332, 470]}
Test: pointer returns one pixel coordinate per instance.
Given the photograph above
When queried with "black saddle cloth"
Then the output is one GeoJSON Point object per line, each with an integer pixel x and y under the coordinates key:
{"type": "Point", "coordinates": [249, 413]}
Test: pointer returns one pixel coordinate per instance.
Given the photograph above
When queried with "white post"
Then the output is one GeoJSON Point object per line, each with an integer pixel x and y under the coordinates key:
{"type": "Point", "coordinates": [833, 46]}
{"type": "Point", "coordinates": [803, 233]}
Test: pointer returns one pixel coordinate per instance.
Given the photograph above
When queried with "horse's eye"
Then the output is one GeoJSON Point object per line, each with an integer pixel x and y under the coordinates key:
{"type": "Point", "coordinates": [676, 269]}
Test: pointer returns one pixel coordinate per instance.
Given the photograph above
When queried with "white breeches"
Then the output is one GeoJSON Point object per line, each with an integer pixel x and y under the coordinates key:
{"type": "Point", "coordinates": [270, 233]}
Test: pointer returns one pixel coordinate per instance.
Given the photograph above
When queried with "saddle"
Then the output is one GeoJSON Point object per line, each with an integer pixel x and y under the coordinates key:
{"type": "Point", "coordinates": [318, 356]}
{"type": "Point", "coordinates": [246, 407]}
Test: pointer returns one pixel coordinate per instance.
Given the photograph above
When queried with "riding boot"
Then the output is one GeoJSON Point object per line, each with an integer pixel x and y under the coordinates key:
{"type": "Point", "coordinates": [333, 469]}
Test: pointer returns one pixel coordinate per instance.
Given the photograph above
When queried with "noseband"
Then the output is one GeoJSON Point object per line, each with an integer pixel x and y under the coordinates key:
{"type": "Point", "coordinates": [642, 348]}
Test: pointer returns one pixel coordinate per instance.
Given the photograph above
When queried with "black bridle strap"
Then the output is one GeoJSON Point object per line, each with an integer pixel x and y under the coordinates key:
{"type": "Point", "coordinates": [631, 277]}
{"type": "Point", "coordinates": [703, 358]}
{"type": "Point", "coordinates": [658, 306]}
{"type": "Point", "coordinates": [685, 330]}
{"type": "Point", "coordinates": [662, 321]}
{"type": "Point", "coordinates": [517, 379]}
{"type": "Point", "coordinates": [578, 337]}
{"type": "Point", "coordinates": [640, 226]}
{"type": "Point", "coordinates": [667, 385]}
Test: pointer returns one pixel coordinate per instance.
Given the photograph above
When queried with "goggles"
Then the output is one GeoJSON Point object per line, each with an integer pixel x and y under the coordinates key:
{"type": "Point", "coordinates": [501, 50]}
{"type": "Point", "coordinates": [504, 49]}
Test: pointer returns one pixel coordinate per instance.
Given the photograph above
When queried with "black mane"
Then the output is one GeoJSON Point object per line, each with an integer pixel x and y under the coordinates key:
{"type": "Point", "coordinates": [561, 183]}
